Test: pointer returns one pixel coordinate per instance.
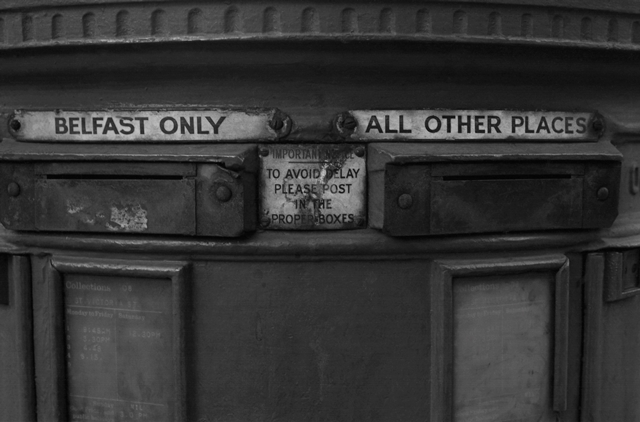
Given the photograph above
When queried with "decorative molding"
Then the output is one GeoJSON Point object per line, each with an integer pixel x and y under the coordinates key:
{"type": "Point", "coordinates": [173, 21]}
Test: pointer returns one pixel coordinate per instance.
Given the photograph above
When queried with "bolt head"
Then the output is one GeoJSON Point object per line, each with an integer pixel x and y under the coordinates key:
{"type": "Point", "coordinates": [603, 193]}
{"type": "Point", "coordinates": [359, 151]}
{"type": "Point", "coordinates": [223, 193]}
{"type": "Point", "coordinates": [405, 201]}
{"type": "Point", "coordinates": [360, 221]}
{"type": "Point", "coordinates": [13, 189]}
{"type": "Point", "coordinates": [265, 221]}
{"type": "Point", "coordinates": [264, 152]}
{"type": "Point", "coordinates": [15, 125]}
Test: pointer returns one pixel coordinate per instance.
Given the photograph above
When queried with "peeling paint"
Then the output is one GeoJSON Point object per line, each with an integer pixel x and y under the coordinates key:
{"type": "Point", "coordinates": [128, 218]}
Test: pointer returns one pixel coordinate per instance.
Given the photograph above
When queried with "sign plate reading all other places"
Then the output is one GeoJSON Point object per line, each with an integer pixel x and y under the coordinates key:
{"type": "Point", "coordinates": [312, 187]}
{"type": "Point", "coordinates": [466, 125]}
{"type": "Point", "coordinates": [210, 125]}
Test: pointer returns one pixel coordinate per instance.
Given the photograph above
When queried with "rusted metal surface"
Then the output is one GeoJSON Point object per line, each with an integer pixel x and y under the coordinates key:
{"type": "Point", "coordinates": [214, 125]}
{"type": "Point", "coordinates": [461, 125]}
{"type": "Point", "coordinates": [305, 187]}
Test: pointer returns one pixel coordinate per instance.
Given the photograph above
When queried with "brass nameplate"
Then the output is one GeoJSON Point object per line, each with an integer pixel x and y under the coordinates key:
{"type": "Point", "coordinates": [119, 348]}
{"type": "Point", "coordinates": [317, 187]}
{"type": "Point", "coordinates": [466, 125]}
{"type": "Point", "coordinates": [210, 125]}
{"type": "Point", "coordinates": [502, 348]}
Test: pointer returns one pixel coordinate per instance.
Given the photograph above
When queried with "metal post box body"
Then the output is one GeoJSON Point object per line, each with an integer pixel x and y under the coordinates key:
{"type": "Point", "coordinates": [378, 322]}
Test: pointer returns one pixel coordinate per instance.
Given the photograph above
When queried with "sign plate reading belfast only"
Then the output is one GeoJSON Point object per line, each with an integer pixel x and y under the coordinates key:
{"type": "Point", "coordinates": [312, 187]}
{"type": "Point", "coordinates": [467, 125]}
{"type": "Point", "coordinates": [148, 125]}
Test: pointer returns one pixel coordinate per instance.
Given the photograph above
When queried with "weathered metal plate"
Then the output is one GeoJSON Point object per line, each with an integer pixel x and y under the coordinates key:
{"type": "Point", "coordinates": [503, 349]}
{"type": "Point", "coordinates": [119, 348]}
{"type": "Point", "coordinates": [312, 187]}
{"type": "Point", "coordinates": [122, 206]}
{"type": "Point", "coordinates": [466, 125]}
{"type": "Point", "coordinates": [211, 125]}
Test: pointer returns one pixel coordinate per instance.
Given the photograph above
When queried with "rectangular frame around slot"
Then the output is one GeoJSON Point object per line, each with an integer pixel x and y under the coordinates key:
{"type": "Point", "coordinates": [54, 274]}
{"type": "Point", "coordinates": [441, 291]}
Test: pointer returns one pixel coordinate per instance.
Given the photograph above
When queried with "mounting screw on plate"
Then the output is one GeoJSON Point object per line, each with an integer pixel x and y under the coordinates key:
{"type": "Point", "coordinates": [603, 193]}
{"type": "Point", "coordinates": [359, 151]}
{"type": "Point", "coordinates": [264, 152]}
{"type": "Point", "coordinates": [223, 193]}
{"type": "Point", "coordinates": [265, 221]}
{"type": "Point", "coordinates": [345, 124]}
{"type": "Point", "coordinates": [360, 221]}
{"type": "Point", "coordinates": [597, 124]}
{"type": "Point", "coordinates": [13, 189]}
{"type": "Point", "coordinates": [405, 201]}
{"type": "Point", "coordinates": [15, 125]}
{"type": "Point", "coordinates": [280, 123]}
{"type": "Point", "coordinates": [276, 123]}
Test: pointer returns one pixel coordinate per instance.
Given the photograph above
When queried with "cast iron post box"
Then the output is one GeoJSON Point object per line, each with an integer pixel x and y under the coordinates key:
{"type": "Point", "coordinates": [355, 211]}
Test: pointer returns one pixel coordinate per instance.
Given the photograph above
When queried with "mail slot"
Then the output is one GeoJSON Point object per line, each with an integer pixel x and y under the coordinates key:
{"type": "Point", "coordinates": [438, 193]}
{"type": "Point", "coordinates": [179, 198]}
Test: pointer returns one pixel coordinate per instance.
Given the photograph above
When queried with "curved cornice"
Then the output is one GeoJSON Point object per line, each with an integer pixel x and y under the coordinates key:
{"type": "Point", "coordinates": [38, 24]}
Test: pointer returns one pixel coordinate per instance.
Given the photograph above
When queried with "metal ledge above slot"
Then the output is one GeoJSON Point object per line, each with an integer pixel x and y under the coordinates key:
{"type": "Point", "coordinates": [437, 189]}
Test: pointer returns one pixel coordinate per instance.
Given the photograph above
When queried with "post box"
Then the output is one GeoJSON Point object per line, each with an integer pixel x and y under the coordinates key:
{"type": "Point", "coordinates": [251, 211]}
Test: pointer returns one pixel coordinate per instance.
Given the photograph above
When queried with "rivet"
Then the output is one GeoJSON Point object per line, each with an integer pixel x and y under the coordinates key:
{"type": "Point", "coordinates": [359, 151]}
{"type": "Point", "coordinates": [405, 201]}
{"type": "Point", "coordinates": [15, 125]}
{"type": "Point", "coordinates": [13, 189]}
{"type": "Point", "coordinates": [603, 193]}
{"type": "Point", "coordinates": [223, 193]}
{"type": "Point", "coordinates": [264, 152]}
{"type": "Point", "coordinates": [265, 221]}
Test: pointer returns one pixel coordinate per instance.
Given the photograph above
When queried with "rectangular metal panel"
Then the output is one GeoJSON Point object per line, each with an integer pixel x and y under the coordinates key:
{"type": "Point", "coordinates": [201, 125]}
{"type": "Point", "coordinates": [503, 348]}
{"type": "Point", "coordinates": [313, 187]}
{"type": "Point", "coordinates": [469, 206]}
{"type": "Point", "coordinates": [465, 125]}
{"type": "Point", "coordinates": [119, 343]}
{"type": "Point", "coordinates": [116, 205]}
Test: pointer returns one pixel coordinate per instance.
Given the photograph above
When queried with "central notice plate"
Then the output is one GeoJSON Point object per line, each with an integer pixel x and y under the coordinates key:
{"type": "Point", "coordinates": [312, 187]}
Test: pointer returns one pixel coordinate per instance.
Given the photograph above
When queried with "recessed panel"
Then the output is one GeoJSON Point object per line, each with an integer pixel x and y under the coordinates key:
{"type": "Point", "coordinates": [119, 349]}
{"type": "Point", "coordinates": [502, 346]}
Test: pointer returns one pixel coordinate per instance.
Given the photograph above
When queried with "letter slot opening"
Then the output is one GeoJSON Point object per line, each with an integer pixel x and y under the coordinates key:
{"type": "Point", "coordinates": [481, 197]}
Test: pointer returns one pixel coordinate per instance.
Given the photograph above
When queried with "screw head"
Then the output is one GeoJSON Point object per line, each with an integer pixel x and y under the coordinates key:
{"type": "Point", "coordinates": [603, 193]}
{"type": "Point", "coordinates": [223, 193]}
{"type": "Point", "coordinates": [349, 122]}
{"type": "Point", "coordinates": [359, 151]}
{"type": "Point", "coordinates": [360, 221]}
{"type": "Point", "coordinates": [405, 201]}
{"type": "Point", "coordinates": [276, 123]}
{"type": "Point", "coordinates": [265, 221]}
{"type": "Point", "coordinates": [15, 125]}
{"type": "Point", "coordinates": [13, 189]}
{"type": "Point", "coordinates": [264, 152]}
{"type": "Point", "coordinates": [597, 125]}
